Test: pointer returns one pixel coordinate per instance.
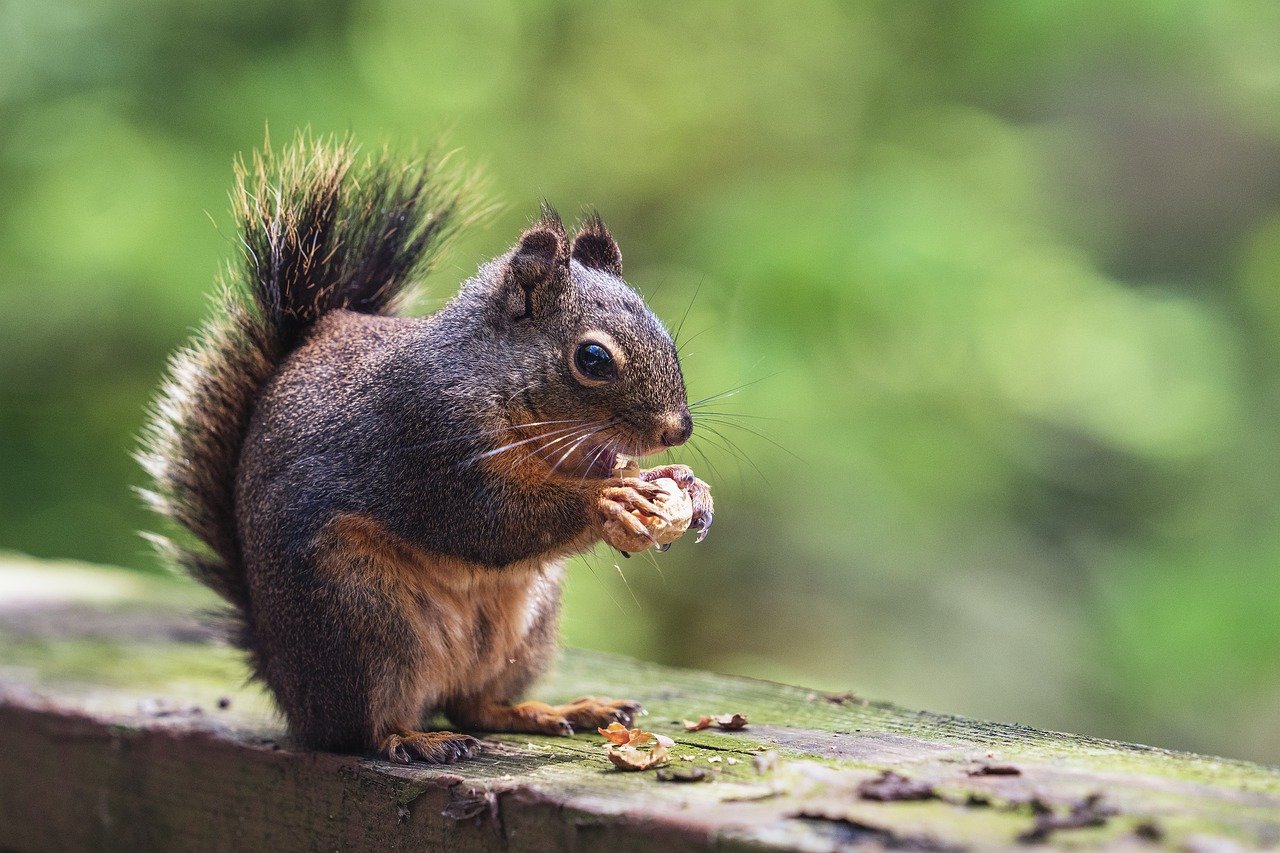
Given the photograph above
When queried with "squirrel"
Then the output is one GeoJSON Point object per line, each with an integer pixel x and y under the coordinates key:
{"type": "Point", "coordinates": [386, 502]}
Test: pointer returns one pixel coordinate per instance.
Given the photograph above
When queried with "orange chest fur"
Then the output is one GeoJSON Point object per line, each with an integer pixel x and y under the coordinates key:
{"type": "Point", "coordinates": [469, 622]}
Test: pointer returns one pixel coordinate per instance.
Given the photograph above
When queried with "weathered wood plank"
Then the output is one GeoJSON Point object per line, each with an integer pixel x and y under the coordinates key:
{"type": "Point", "coordinates": [111, 737]}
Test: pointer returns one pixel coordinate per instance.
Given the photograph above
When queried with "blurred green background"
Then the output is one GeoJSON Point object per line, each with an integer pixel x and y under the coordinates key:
{"type": "Point", "coordinates": [999, 279]}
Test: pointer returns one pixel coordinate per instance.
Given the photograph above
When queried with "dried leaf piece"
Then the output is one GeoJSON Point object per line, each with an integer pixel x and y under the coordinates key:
{"type": "Point", "coordinates": [624, 747]}
{"type": "Point", "coordinates": [731, 722]}
{"type": "Point", "coordinates": [726, 722]}
{"type": "Point", "coordinates": [846, 698]}
{"type": "Point", "coordinates": [630, 758]}
{"type": "Point", "coordinates": [617, 733]}
{"type": "Point", "coordinates": [682, 774]}
{"type": "Point", "coordinates": [894, 787]}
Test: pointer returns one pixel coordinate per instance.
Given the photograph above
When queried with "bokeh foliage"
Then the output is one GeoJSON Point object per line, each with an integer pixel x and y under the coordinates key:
{"type": "Point", "coordinates": [998, 280]}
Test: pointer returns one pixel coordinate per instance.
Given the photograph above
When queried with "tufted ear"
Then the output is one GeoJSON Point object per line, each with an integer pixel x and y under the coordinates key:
{"type": "Point", "coordinates": [539, 264]}
{"type": "Point", "coordinates": [594, 246]}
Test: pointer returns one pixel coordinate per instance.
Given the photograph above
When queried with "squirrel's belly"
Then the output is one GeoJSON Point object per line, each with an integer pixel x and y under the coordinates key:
{"type": "Point", "coordinates": [512, 617]}
{"type": "Point", "coordinates": [470, 628]}
{"type": "Point", "coordinates": [478, 626]}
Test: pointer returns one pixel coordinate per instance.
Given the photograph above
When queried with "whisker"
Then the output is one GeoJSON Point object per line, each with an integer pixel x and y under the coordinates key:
{"type": "Point", "coordinates": [520, 391]}
{"type": "Point", "coordinates": [737, 451]}
{"type": "Point", "coordinates": [687, 308]}
{"type": "Point", "coordinates": [588, 429]}
{"type": "Point", "coordinates": [718, 443]}
{"type": "Point", "coordinates": [706, 459]}
{"type": "Point", "coordinates": [595, 457]}
{"type": "Point", "coordinates": [731, 392]}
{"type": "Point", "coordinates": [587, 559]}
{"type": "Point", "coordinates": [627, 584]}
{"type": "Point", "coordinates": [703, 412]}
{"type": "Point", "coordinates": [510, 445]}
{"type": "Point", "coordinates": [728, 423]}
{"type": "Point", "coordinates": [654, 561]}
{"type": "Point", "coordinates": [680, 346]}
{"type": "Point", "coordinates": [565, 455]}
{"type": "Point", "coordinates": [487, 433]}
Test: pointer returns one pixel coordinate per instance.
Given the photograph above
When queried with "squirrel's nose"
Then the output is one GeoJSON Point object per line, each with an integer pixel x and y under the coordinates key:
{"type": "Point", "coordinates": [677, 429]}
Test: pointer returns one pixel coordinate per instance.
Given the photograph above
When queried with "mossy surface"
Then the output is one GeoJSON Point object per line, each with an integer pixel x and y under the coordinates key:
{"type": "Point", "coordinates": [128, 649]}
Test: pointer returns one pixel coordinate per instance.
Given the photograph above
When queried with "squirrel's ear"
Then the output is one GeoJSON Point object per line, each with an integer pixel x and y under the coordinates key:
{"type": "Point", "coordinates": [595, 247]}
{"type": "Point", "coordinates": [541, 258]}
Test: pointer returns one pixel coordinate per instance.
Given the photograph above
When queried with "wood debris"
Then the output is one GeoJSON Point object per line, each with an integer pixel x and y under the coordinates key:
{"type": "Point", "coordinates": [1083, 814]}
{"type": "Point", "coordinates": [894, 787]}
{"type": "Point", "coordinates": [995, 770]}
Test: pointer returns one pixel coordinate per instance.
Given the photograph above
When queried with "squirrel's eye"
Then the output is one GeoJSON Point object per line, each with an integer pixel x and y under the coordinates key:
{"type": "Point", "coordinates": [595, 362]}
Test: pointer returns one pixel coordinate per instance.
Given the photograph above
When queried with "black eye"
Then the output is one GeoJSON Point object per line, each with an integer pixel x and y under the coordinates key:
{"type": "Point", "coordinates": [595, 362]}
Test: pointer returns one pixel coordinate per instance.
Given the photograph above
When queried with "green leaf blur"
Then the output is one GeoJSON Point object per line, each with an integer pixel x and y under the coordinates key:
{"type": "Point", "coordinates": [996, 283]}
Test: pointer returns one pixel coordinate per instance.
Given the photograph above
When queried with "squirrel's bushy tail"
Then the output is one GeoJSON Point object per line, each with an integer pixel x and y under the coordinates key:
{"type": "Point", "coordinates": [321, 229]}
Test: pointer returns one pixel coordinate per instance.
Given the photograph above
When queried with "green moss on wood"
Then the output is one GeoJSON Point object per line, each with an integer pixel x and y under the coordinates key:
{"type": "Point", "coordinates": [118, 648]}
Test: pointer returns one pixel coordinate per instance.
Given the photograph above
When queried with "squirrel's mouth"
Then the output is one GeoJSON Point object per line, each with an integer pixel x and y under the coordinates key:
{"type": "Point", "coordinates": [602, 462]}
{"type": "Point", "coordinates": [589, 460]}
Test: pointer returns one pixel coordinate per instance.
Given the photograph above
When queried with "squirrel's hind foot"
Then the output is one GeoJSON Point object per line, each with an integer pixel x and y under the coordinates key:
{"type": "Point", "coordinates": [590, 712]}
{"type": "Point", "coordinates": [429, 747]}
{"type": "Point", "coordinates": [539, 718]}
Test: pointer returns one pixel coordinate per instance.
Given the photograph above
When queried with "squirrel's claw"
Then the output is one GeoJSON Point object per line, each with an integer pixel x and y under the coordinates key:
{"type": "Point", "coordinates": [429, 747]}
{"type": "Point", "coordinates": [702, 523]}
{"type": "Point", "coordinates": [591, 712]}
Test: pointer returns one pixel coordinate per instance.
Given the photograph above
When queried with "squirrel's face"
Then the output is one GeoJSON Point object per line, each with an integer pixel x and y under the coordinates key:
{"type": "Point", "coordinates": [593, 372]}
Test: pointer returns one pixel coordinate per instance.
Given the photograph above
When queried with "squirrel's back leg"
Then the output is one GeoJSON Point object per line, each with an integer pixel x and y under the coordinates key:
{"type": "Point", "coordinates": [493, 707]}
{"type": "Point", "coordinates": [342, 655]}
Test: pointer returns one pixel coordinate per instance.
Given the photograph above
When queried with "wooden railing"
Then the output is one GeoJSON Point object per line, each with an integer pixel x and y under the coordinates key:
{"type": "Point", "coordinates": [124, 725]}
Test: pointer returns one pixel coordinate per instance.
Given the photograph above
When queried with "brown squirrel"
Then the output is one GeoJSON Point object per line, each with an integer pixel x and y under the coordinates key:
{"type": "Point", "coordinates": [386, 502]}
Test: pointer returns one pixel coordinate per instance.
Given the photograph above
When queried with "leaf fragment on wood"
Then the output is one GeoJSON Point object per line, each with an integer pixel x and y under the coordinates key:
{"type": "Point", "coordinates": [624, 747]}
{"type": "Point", "coordinates": [631, 758]}
{"type": "Point", "coordinates": [725, 722]}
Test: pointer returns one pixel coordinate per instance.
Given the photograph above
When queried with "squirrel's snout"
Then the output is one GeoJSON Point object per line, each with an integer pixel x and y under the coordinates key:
{"type": "Point", "coordinates": [677, 429]}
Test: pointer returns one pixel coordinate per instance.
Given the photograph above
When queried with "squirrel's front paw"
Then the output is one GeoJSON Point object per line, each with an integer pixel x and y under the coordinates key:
{"type": "Point", "coordinates": [636, 514]}
{"type": "Point", "coordinates": [698, 492]}
{"type": "Point", "coordinates": [654, 508]}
